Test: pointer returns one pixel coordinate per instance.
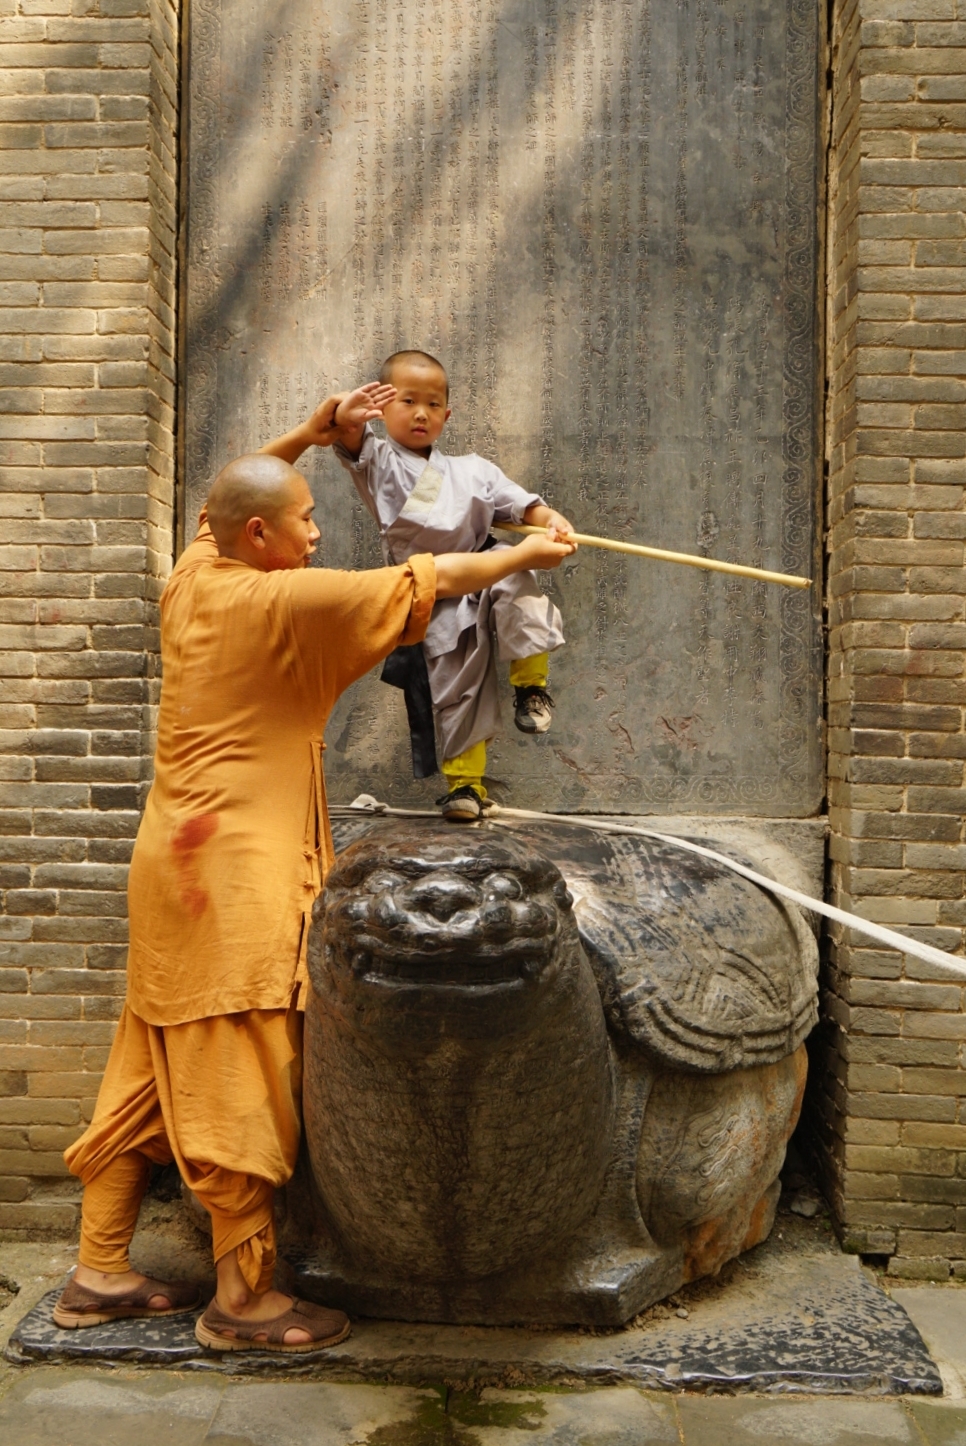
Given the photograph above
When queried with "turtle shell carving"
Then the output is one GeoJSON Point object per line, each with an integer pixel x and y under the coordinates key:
{"type": "Point", "coordinates": [549, 1073]}
{"type": "Point", "coordinates": [693, 962]}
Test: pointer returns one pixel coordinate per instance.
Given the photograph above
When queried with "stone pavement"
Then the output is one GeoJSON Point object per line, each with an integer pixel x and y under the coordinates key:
{"type": "Point", "coordinates": [58, 1406]}
{"type": "Point", "coordinates": [72, 1406]}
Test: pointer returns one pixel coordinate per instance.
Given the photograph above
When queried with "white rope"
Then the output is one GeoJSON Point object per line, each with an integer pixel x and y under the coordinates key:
{"type": "Point", "coordinates": [496, 813]}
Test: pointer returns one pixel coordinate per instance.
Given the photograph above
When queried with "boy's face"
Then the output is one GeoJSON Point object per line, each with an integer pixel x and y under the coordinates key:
{"type": "Point", "coordinates": [418, 412]}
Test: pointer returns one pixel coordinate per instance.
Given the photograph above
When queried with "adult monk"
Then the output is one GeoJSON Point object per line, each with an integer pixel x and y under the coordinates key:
{"type": "Point", "coordinates": [205, 1067]}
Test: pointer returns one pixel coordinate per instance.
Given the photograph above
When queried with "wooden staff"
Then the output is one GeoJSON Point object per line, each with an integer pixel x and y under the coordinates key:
{"type": "Point", "coordinates": [711, 564]}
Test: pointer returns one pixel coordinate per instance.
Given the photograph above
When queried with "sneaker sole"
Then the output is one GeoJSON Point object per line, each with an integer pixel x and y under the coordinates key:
{"type": "Point", "coordinates": [536, 727]}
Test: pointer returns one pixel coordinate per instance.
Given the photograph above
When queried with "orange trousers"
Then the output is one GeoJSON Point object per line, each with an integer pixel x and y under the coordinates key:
{"type": "Point", "coordinates": [221, 1096]}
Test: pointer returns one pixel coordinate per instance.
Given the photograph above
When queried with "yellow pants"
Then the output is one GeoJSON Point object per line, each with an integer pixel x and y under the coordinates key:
{"type": "Point", "coordinates": [221, 1096]}
{"type": "Point", "coordinates": [469, 766]}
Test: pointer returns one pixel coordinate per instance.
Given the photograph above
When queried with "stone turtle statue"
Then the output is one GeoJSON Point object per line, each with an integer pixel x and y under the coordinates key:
{"type": "Point", "coordinates": [549, 1073]}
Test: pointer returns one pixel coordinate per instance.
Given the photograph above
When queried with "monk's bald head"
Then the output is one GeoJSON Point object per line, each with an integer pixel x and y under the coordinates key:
{"type": "Point", "coordinates": [260, 511]}
{"type": "Point", "coordinates": [254, 486]}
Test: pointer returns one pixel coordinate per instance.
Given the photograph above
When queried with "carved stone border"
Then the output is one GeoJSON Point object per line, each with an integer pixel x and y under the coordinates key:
{"type": "Point", "coordinates": [801, 644]}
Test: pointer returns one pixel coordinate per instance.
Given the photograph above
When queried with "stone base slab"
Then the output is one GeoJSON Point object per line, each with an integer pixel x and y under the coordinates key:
{"type": "Point", "coordinates": [782, 1323]}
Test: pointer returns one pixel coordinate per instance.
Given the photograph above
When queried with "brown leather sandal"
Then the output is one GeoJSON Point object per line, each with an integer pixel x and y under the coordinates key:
{"type": "Point", "coordinates": [80, 1306]}
{"type": "Point", "coordinates": [326, 1327]}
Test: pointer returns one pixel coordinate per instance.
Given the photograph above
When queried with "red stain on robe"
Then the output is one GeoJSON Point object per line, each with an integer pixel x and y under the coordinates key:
{"type": "Point", "coordinates": [188, 837]}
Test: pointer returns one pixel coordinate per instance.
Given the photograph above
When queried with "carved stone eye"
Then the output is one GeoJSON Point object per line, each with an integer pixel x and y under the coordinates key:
{"type": "Point", "coordinates": [382, 881]}
{"type": "Point", "coordinates": [563, 895]}
{"type": "Point", "coordinates": [505, 886]}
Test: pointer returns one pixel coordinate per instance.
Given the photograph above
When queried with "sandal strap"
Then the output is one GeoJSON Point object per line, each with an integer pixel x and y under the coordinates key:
{"type": "Point", "coordinates": [317, 1321]}
{"type": "Point", "coordinates": [83, 1300]}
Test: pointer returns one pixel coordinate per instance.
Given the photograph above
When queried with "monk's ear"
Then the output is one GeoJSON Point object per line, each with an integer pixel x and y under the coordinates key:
{"type": "Point", "coordinates": [255, 532]}
{"type": "Point", "coordinates": [449, 413]}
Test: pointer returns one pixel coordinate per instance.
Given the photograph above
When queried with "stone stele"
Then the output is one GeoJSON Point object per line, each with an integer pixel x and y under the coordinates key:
{"type": "Point", "coordinates": [602, 216]}
{"type": "Point", "coordinates": [549, 1075]}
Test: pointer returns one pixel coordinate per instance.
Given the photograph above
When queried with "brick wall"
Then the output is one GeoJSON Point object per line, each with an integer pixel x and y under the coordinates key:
{"type": "Point", "coordinates": [894, 1044]}
{"type": "Point", "coordinates": [88, 108]}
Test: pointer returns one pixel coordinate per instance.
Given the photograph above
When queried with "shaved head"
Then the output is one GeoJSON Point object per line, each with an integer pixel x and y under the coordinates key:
{"type": "Point", "coordinates": [421, 359]}
{"type": "Point", "coordinates": [260, 512]}
{"type": "Point", "coordinates": [255, 486]}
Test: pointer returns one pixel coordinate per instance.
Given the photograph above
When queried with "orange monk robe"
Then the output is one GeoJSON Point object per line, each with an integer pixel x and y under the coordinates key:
{"type": "Point", "coordinates": [229, 858]}
{"type": "Point", "coordinates": [235, 837]}
{"type": "Point", "coordinates": [222, 1097]}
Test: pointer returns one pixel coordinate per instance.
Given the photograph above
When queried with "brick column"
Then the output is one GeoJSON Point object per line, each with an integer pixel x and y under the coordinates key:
{"type": "Point", "coordinates": [88, 105]}
{"type": "Point", "coordinates": [894, 1085]}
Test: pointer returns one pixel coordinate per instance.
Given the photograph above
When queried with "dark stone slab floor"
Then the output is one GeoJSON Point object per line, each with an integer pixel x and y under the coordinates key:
{"type": "Point", "coordinates": [781, 1323]}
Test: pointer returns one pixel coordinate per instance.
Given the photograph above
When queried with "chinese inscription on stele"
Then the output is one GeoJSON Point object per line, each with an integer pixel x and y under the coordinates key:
{"type": "Point", "coordinates": [601, 215]}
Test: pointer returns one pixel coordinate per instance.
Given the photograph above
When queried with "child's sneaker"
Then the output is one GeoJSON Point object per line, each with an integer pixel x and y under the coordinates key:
{"type": "Point", "coordinates": [463, 805]}
{"type": "Point", "coordinates": [531, 710]}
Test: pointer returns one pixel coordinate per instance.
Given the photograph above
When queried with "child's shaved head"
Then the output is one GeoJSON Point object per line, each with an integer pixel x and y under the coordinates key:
{"type": "Point", "coordinates": [411, 358]}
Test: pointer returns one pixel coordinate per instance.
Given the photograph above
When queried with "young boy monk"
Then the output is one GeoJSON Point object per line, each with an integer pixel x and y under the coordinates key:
{"type": "Point", "coordinates": [425, 501]}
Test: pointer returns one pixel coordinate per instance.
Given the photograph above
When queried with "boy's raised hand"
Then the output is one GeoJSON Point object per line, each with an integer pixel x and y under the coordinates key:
{"type": "Point", "coordinates": [363, 405]}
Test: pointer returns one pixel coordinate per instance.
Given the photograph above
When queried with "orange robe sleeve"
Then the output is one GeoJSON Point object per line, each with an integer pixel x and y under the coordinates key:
{"type": "Point", "coordinates": [347, 622]}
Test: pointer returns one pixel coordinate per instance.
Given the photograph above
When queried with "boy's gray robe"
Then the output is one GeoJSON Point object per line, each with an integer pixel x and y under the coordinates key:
{"type": "Point", "coordinates": [448, 504]}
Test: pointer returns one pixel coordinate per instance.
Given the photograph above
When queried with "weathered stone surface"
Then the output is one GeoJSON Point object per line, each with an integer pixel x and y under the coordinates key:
{"type": "Point", "coordinates": [939, 1314]}
{"type": "Point", "coordinates": [549, 1073]}
{"type": "Point", "coordinates": [786, 1423]}
{"type": "Point", "coordinates": [603, 218]}
{"type": "Point", "coordinates": [460, 1097]}
{"type": "Point", "coordinates": [687, 1189]}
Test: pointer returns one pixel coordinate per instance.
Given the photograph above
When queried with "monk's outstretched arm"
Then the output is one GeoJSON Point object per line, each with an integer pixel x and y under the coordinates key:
{"type": "Point", "coordinates": [462, 572]}
{"type": "Point", "coordinates": [318, 431]}
{"type": "Point", "coordinates": [321, 430]}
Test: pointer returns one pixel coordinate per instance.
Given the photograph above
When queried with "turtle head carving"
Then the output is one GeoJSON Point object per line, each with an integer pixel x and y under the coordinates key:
{"type": "Point", "coordinates": [456, 1043]}
{"type": "Point", "coordinates": [464, 927]}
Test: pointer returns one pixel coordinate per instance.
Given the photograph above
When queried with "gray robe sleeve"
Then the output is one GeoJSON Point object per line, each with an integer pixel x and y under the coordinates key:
{"type": "Point", "coordinates": [364, 470]}
{"type": "Point", "coordinates": [509, 500]}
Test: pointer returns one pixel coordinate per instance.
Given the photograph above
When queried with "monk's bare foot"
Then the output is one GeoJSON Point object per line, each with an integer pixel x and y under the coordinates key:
{"type": "Point", "coordinates": [266, 1307]}
{"type": "Point", "coordinates": [118, 1283]}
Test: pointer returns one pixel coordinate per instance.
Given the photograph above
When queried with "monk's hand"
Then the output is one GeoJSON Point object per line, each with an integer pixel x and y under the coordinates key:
{"type": "Point", "coordinates": [363, 405]}
{"type": "Point", "coordinates": [542, 550]}
{"type": "Point", "coordinates": [320, 430]}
